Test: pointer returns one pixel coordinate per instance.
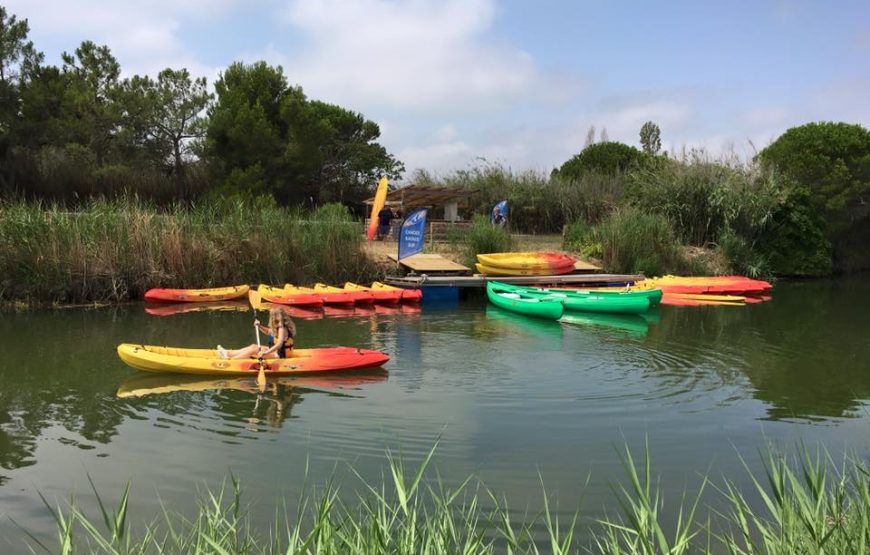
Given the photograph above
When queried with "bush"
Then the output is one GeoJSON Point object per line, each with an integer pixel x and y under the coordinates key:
{"type": "Point", "coordinates": [481, 237]}
{"type": "Point", "coordinates": [610, 157]}
{"type": "Point", "coordinates": [633, 241]}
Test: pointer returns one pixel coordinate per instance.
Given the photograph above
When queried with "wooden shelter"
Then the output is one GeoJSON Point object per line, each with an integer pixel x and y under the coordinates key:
{"type": "Point", "coordinates": [411, 197]}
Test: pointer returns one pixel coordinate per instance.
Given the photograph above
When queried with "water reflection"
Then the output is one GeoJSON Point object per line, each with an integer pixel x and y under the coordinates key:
{"type": "Point", "coordinates": [268, 404]}
{"type": "Point", "coordinates": [631, 323]}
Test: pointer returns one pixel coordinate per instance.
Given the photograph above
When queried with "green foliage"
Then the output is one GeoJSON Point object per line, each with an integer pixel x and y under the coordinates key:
{"type": "Point", "coordinates": [302, 149]}
{"type": "Point", "coordinates": [605, 157]}
{"type": "Point", "coordinates": [650, 138]}
{"type": "Point", "coordinates": [481, 237]}
{"type": "Point", "coordinates": [634, 241]}
{"type": "Point", "coordinates": [831, 159]}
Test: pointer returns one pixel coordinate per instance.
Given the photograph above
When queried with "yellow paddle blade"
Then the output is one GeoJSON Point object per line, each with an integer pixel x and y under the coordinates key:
{"type": "Point", "coordinates": [255, 299]}
{"type": "Point", "coordinates": [261, 378]}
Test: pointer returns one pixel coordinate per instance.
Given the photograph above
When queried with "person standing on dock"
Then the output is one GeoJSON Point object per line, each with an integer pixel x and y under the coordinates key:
{"type": "Point", "coordinates": [385, 216]}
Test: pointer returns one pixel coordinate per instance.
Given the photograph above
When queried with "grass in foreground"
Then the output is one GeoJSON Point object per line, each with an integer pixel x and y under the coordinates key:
{"type": "Point", "coordinates": [802, 504]}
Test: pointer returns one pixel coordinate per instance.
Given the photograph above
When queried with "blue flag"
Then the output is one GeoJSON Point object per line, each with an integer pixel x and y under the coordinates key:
{"type": "Point", "coordinates": [411, 236]}
{"type": "Point", "coordinates": [499, 213]}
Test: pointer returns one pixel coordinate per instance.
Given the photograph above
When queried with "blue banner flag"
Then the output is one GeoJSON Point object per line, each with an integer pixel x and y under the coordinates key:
{"type": "Point", "coordinates": [411, 236]}
{"type": "Point", "coordinates": [499, 213]}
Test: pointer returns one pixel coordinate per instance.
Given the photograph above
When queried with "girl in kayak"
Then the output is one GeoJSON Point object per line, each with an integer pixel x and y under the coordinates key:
{"type": "Point", "coordinates": [281, 332]}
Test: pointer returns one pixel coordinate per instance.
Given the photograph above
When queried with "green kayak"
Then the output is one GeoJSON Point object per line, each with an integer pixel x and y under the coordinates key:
{"type": "Point", "coordinates": [585, 301]}
{"type": "Point", "coordinates": [542, 307]}
{"type": "Point", "coordinates": [653, 295]}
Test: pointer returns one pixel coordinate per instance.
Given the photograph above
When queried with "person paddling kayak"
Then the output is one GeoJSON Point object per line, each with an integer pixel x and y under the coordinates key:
{"type": "Point", "coordinates": [281, 331]}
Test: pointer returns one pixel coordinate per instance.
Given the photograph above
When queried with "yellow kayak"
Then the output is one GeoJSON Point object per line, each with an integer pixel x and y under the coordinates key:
{"type": "Point", "coordinates": [382, 296]}
{"type": "Point", "coordinates": [527, 260]}
{"type": "Point", "coordinates": [152, 358]}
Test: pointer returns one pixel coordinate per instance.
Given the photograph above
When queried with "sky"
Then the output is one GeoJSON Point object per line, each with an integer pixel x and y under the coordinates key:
{"type": "Point", "coordinates": [516, 83]}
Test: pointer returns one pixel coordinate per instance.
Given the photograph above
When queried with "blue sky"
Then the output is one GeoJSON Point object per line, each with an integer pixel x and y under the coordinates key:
{"type": "Point", "coordinates": [515, 82]}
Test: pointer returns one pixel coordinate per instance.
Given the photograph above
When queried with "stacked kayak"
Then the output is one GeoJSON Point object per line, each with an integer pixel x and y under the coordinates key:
{"type": "Point", "coordinates": [196, 295]}
{"type": "Point", "coordinates": [280, 295]}
{"type": "Point", "coordinates": [358, 296]}
{"type": "Point", "coordinates": [707, 285]}
{"type": "Point", "coordinates": [508, 299]}
{"type": "Point", "coordinates": [408, 295]}
{"type": "Point", "coordinates": [335, 298]}
{"type": "Point", "coordinates": [589, 301]}
{"type": "Point", "coordinates": [380, 296]}
{"type": "Point", "coordinates": [206, 361]}
{"type": "Point", "coordinates": [524, 264]}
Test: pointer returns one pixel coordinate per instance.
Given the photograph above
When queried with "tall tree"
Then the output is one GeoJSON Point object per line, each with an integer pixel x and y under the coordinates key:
{"type": "Point", "coordinates": [94, 73]}
{"type": "Point", "coordinates": [650, 138]}
{"type": "Point", "coordinates": [165, 115]}
{"type": "Point", "coordinates": [16, 53]}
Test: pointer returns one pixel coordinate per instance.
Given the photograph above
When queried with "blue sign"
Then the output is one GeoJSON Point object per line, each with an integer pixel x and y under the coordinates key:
{"type": "Point", "coordinates": [499, 213]}
{"type": "Point", "coordinates": [411, 236]}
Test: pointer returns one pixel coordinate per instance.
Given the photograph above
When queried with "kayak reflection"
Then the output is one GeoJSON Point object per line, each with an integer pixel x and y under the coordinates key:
{"type": "Point", "coordinates": [140, 384]}
{"type": "Point", "coordinates": [631, 323]}
{"type": "Point", "coordinates": [273, 402]}
{"type": "Point", "coordinates": [180, 308]}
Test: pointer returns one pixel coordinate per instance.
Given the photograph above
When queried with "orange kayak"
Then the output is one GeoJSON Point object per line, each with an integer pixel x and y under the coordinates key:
{"type": "Point", "coordinates": [341, 298]}
{"type": "Point", "coordinates": [408, 295]}
{"type": "Point", "coordinates": [196, 295]}
{"type": "Point", "coordinates": [280, 295]}
{"type": "Point", "coordinates": [381, 296]}
{"type": "Point", "coordinates": [359, 296]}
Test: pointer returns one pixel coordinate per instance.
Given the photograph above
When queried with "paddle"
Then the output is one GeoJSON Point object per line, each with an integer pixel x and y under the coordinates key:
{"type": "Point", "coordinates": [255, 300]}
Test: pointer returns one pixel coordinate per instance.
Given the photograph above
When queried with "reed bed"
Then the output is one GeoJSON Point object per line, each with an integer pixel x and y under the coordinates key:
{"type": "Point", "coordinates": [116, 250]}
{"type": "Point", "coordinates": [803, 503]}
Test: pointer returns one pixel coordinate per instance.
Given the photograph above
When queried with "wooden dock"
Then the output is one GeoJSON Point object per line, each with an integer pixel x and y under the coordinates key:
{"type": "Point", "coordinates": [480, 280]}
{"type": "Point", "coordinates": [431, 263]}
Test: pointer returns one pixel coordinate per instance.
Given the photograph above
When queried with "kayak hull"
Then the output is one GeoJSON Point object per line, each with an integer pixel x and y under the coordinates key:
{"type": "Point", "coordinates": [551, 309]}
{"type": "Point", "coordinates": [279, 295]}
{"type": "Point", "coordinates": [152, 358]}
{"type": "Point", "coordinates": [496, 271]}
{"type": "Point", "coordinates": [526, 260]}
{"type": "Point", "coordinates": [196, 295]}
{"type": "Point", "coordinates": [585, 301]}
{"type": "Point", "coordinates": [358, 296]}
{"type": "Point", "coordinates": [380, 296]}
{"type": "Point", "coordinates": [408, 295]}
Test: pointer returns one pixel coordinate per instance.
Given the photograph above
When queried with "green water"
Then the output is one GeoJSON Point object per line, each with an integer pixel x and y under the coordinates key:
{"type": "Point", "coordinates": [511, 398]}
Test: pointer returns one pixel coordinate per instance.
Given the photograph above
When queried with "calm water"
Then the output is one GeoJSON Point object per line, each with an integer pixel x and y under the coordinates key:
{"type": "Point", "coordinates": [511, 399]}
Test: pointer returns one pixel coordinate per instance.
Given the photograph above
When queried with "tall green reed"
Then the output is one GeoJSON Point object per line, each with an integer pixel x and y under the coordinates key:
{"type": "Point", "coordinates": [115, 250]}
{"type": "Point", "coordinates": [803, 503]}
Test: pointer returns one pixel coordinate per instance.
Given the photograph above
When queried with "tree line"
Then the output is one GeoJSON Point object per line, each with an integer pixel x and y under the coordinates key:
{"type": "Point", "coordinates": [82, 130]}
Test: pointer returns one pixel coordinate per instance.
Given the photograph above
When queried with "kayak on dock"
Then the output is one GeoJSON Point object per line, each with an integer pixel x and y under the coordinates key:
{"type": "Point", "coordinates": [544, 261]}
{"type": "Point", "coordinates": [497, 271]}
{"type": "Point", "coordinates": [502, 297]}
{"type": "Point", "coordinates": [206, 361]}
{"type": "Point", "coordinates": [196, 295]}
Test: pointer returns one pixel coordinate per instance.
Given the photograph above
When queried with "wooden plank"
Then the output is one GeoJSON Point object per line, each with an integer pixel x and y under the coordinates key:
{"type": "Point", "coordinates": [429, 263]}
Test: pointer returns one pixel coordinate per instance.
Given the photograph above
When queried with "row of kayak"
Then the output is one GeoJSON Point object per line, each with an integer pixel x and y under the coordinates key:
{"type": "Point", "coordinates": [551, 303]}
{"type": "Point", "coordinates": [296, 312]}
{"type": "Point", "coordinates": [319, 295]}
{"type": "Point", "coordinates": [524, 263]}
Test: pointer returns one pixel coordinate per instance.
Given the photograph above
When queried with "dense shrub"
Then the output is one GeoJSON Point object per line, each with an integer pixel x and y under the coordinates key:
{"type": "Point", "coordinates": [481, 237]}
{"type": "Point", "coordinates": [831, 159]}
{"type": "Point", "coordinates": [608, 157]}
{"type": "Point", "coordinates": [633, 241]}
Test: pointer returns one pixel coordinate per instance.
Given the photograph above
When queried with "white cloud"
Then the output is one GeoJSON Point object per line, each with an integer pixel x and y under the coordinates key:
{"type": "Point", "coordinates": [144, 36]}
{"type": "Point", "coordinates": [425, 56]}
